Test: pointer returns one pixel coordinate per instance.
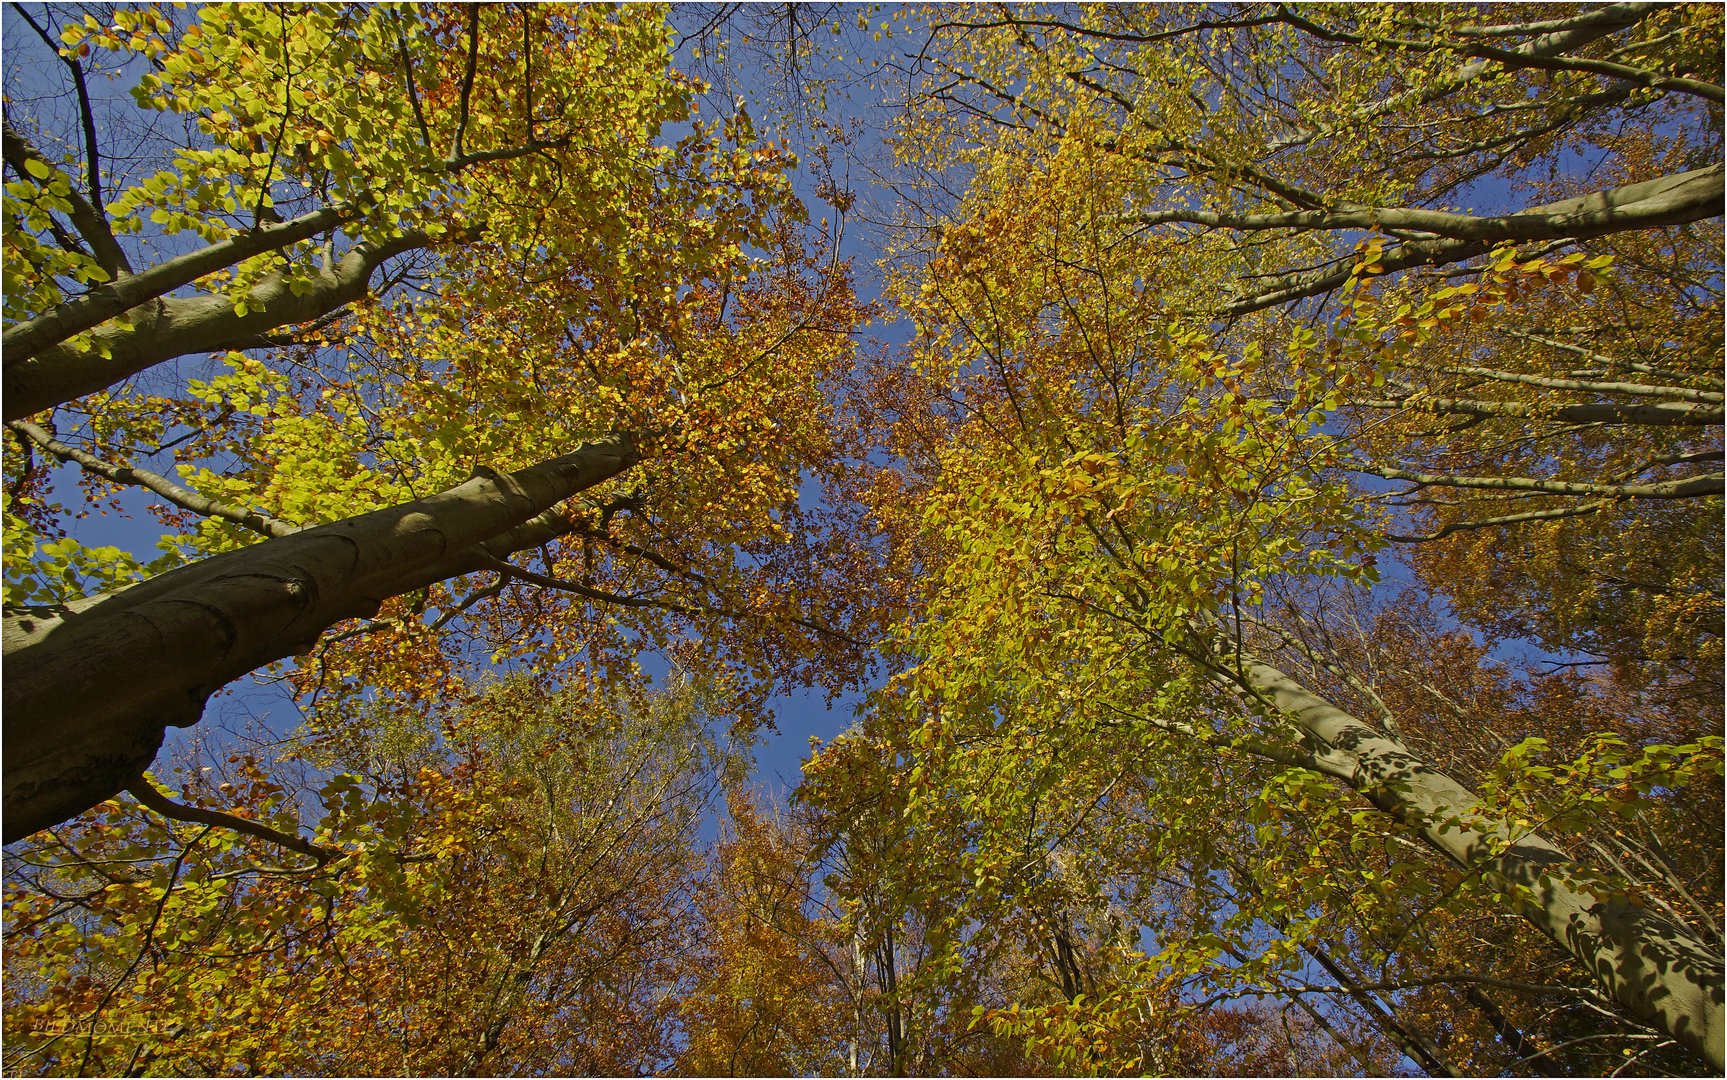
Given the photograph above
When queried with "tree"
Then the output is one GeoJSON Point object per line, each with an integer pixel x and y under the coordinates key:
{"type": "Point", "coordinates": [380, 133]}
{"type": "Point", "coordinates": [1427, 952]}
{"type": "Point", "coordinates": [1293, 532]}
{"type": "Point", "coordinates": [517, 895]}
{"type": "Point", "coordinates": [92, 695]}
{"type": "Point", "coordinates": [769, 996]}
{"type": "Point", "coordinates": [1177, 455]}
{"type": "Point", "coordinates": [996, 887]}
{"type": "Point", "coordinates": [569, 300]}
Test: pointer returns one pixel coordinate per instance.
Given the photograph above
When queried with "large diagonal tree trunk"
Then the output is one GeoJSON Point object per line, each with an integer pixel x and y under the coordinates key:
{"type": "Point", "coordinates": [1650, 965]}
{"type": "Point", "coordinates": [92, 686]}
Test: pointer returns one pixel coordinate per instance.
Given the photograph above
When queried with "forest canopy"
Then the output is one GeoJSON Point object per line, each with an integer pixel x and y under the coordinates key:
{"type": "Point", "coordinates": [1253, 469]}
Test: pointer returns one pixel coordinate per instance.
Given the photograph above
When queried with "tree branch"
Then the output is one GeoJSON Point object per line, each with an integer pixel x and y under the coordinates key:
{"type": "Point", "coordinates": [147, 793]}
{"type": "Point", "coordinates": [91, 224]}
{"type": "Point", "coordinates": [1557, 37]}
{"type": "Point", "coordinates": [1690, 487]}
{"type": "Point", "coordinates": [74, 316]}
{"type": "Point", "coordinates": [185, 498]}
{"type": "Point", "coordinates": [1612, 364]}
{"type": "Point", "coordinates": [162, 329]}
{"type": "Point", "coordinates": [1497, 522]}
{"type": "Point", "coordinates": [1630, 389]}
{"type": "Point", "coordinates": [95, 227]}
{"type": "Point", "coordinates": [1659, 414]}
{"type": "Point", "coordinates": [467, 81]}
{"type": "Point", "coordinates": [1624, 72]}
{"type": "Point", "coordinates": [1669, 200]}
{"type": "Point", "coordinates": [413, 92]}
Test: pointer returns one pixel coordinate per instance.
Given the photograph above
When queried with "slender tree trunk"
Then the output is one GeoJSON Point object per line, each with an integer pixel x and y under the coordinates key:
{"type": "Point", "coordinates": [92, 686]}
{"type": "Point", "coordinates": [1509, 1034]}
{"type": "Point", "coordinates": [1408, 1041]}
{"type": "Point", "coordinates": [889, 979]}
{"type": "Point", "coordinates": [857, 992]}
{"type": "Point", "coordinates": [1657, 970]}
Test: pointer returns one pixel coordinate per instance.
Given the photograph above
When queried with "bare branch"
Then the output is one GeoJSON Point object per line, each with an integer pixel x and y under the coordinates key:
{"type": "Point", "coordinates": [1498, 522]}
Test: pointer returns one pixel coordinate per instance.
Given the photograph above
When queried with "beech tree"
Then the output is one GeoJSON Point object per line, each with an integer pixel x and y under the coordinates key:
{"type": "Point", "coordinates": [513, 892]}
{"type": "Point", "coordinates": [1005, 895]}
{"type": "Point", "coordinates": [566, 298]}
{"type": "Point", "coordinates": [1291, 541]}
{"type": "Point", "coordinates": [1496, 727]}
{"type": "Point", "coordinates": [769, 996]}
{"type": "Point", "coordinates": [1205, 271]}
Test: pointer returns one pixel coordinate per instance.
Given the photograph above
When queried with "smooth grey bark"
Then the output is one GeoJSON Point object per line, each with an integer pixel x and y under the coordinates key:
{"type": "Point", "coordinates": [1654, 968]}
{"type": "Point", "coordinates": [1657, 414]}
{"type": "Point", "coordinates": [1590, 386]}
{"type": "Point", "coordinates": [104, 302]}
{"type": "Point", "coordinates": [1669, 200]}
{"type": "Point", "coordinates": [164, 328]}
{"type": "Point", "coordinates": [1689, 487]}
{"type": "Point", "coordinates": [1666, 201]}
{"type": "Point", "coordinates": [92, 686]}
{"type": "Point", "coordinates": [1591, 24]}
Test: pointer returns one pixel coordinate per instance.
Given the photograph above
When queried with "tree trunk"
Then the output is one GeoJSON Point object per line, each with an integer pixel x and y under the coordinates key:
{"type": "Point", "coordinates": [1667, 200]}
{"type": "Point", "coordinates": [1657, 414]}
{"type": "Point", "coordinates": [1653, 967]}
{"type": "Point", "coordinates": [104, 302]}
{"type": "Point", "coordinates": [161, 329]}
{"type": "Point", "coordinates": [92, 686]}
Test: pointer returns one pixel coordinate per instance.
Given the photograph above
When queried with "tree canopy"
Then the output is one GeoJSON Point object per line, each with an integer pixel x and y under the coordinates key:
{"type": "Point", "coordinates": [1257, 469]}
